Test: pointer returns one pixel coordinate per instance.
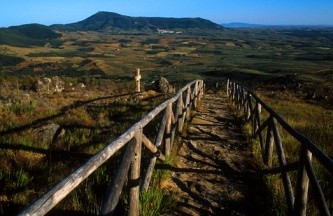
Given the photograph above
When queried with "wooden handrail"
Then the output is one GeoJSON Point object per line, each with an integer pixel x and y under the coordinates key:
{"type": "Point", "coordinates": [169, 125]}
{"type": "Point", "coordinates": [242, 96]}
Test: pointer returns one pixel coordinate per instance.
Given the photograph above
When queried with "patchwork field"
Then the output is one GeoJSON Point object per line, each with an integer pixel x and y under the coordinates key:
{"type": "Point", "coordinates": [292, 68]}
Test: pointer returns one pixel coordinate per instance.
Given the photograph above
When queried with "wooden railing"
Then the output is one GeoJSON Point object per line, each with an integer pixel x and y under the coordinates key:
{"type": "Point", "coordinates": [176, 112]}
{"type": "Point", "coordinates": [297, 198]}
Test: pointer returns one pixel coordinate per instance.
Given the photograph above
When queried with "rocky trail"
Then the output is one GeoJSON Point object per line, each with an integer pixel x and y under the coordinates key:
{"type": "Point", "coordinates": [215, 173]}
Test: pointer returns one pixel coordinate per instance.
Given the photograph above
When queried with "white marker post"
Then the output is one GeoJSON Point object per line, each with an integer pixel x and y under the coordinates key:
{"type": "Point", "coordinates": [137, 80]}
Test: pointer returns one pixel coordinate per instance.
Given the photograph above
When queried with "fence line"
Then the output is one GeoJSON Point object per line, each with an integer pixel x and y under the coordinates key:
{"type": "Point", "coordinates": [133, 139]}
{"type": "Point", "coordinates": [297, 200]}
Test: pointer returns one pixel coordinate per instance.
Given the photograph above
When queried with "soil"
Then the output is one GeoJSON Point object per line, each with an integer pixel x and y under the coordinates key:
{"type": "Point", "coordinates": [215, 173]}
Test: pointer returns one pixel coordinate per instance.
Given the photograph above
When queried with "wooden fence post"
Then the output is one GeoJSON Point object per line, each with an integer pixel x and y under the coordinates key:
{"type": "Point", "coordinates": [199, 90]}
{"type": "Point", "coordinates": [282, 163]}
{"type": "Point", "coordinates": [317, 191]}
{"type": "Point", "coordinates": [228, 93]}
{"type": "Point", "coordinates": [195, 95]}
{"type": "Point", "coordinates": [269, 144]}
{"type": "Point", "coordinates": [236, 95]}
{"type": "Point", "coordinates": [158, 142]}
{"type": "Point", "coordinates": [261, 141]}
{"type": "Point", "coordinates": [302, 185]}
{"type": "Point", "coordinates": [134, 180]}
{"type": "Point", "coordinates": [251, 113]}
{"type": "Point", "coordinates": [249, 106]}
{"type": "Point", "coordinates": [173, 125]}
{"type": "Point", "coordinates": [234, 92]}
{"type": "Point", "coordinates": [180, 107]}
{"type": "Point", "coordinates": [115, 188]}
{"type": "Point", "coordinates": [240, 97]}
{"type": "Point", "coordinates": [187, 105]}
{"type": "Point", "coordinates": [254, 119]}
{"type": "Point", "coordinates": [167, 139]}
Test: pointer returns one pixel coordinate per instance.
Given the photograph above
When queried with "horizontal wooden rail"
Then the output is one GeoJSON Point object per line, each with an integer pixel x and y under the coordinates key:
{"type": "Point", "coordinates": [296, 200]}
{"type": "Point", "coordinates": [169, 125]}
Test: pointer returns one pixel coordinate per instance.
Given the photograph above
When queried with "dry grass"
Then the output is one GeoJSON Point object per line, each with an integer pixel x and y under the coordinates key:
{"type": "Point", "coordinates": [316, 123]}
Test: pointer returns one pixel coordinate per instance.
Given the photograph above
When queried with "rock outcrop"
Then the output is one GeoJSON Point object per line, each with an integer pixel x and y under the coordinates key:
{"type": "Point", "coordinates": [163, 85]}
{"type": "Point", "coordinates": [50, 85]}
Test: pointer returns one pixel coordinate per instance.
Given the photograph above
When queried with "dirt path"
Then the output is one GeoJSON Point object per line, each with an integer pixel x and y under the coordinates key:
{"type": "Point", "coordinates": [215, 173]}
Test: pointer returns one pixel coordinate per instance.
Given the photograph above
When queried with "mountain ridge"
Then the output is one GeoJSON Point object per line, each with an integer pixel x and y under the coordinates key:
{"type": "Point", "coordinates": [104, 20]}
{"type": "Point", "coordinates": [38, 34]}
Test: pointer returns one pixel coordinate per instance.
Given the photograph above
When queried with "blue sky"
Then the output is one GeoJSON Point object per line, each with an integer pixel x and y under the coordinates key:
{"type": "Point", "coordinates": [292, 12]}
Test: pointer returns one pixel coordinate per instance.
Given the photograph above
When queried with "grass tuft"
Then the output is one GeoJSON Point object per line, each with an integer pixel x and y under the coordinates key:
{"type": "Point", "coordinates": [155, 202]}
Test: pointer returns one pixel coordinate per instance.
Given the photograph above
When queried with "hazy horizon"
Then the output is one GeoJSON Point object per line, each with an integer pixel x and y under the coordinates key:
{"type": "Point", "coordinates": [283, 12]}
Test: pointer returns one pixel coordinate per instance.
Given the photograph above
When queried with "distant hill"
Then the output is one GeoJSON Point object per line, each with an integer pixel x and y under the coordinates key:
{"type": "Point", "coordinates": [38, 35]}
{"type": "Point", "coordinates": [102, 21]}
{"type": "Point", "coordinates": [242, 25]}
{"type": "Point", "coordinates": [27, 35]}
{"type": "Point", "coordinates": [249, 25]}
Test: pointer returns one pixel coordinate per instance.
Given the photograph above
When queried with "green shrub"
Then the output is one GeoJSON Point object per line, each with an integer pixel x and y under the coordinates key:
{"type": "Point", "coordinates": [22, 179]}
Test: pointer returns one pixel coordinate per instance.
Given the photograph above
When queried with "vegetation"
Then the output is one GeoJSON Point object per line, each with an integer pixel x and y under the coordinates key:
{"type": "Point", "coordinates": [157, 200]}
{"type": "Point", "coordinates": [316, 123]}
{"type": "Point", "coordinates": [313, 121]}
{"type": "Point", "coordinates": [6, 60]}
{"type": "Point", "coordinates": [291, 68]}
{"type": "Point", "coordinates": [28, 35]}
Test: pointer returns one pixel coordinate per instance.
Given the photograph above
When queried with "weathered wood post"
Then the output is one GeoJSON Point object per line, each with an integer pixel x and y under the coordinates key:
{"type": "Point", "coordinates": [201, 90]}
{"type": "Point", "coordinates": [302, 186]}
{"type": "Point", "coordinates": [137, 80]}
{"type": "Point", "coordinates": [228, 93]}
{"type": "Point", "coordinates": [269, 144]}
{"type": "Point", "coordinates": [158, 142]}
{"type": "Point", "coordinates": [249, 106]}
{"type": "Point", "coordinates": [115, 188]}
{"type": "Point", "coordinates": [167, 139]}
{"type": "Point", "coordinates": [187, 105]}
{"type": "Point", "coordinates": [257, 126]}
{"type": "Point", "coordinates": [234, 92]}
{"type": "Point", "coordinates": [259, 108]}
{"type": "Point", "coordinates": [134, 199]}
{"type": "Point", "coordinates": [282, 164]}
{"type": "Point", "coordinates": [180, 110]}
{"type": "Point", "coordinates": [195, 95]}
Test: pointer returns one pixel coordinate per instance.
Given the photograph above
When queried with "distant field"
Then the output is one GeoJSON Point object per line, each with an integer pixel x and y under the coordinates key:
{"type": "Point", "coordinates": [266, 51]}
{"type": "Point", "coordinates": [286, 65]}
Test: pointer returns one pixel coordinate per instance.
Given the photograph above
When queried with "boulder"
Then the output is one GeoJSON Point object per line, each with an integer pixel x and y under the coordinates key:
{"type": "Point", "coordinates": [57, 84]}
{"type": "Point", "coordinates": [163, 85]}
{"type": "Point", "coordinates": [48, 134]}
{"type": "Point", "coordinates": [50, 85]}
{"type": "Point", "coordinates": [10, 100]}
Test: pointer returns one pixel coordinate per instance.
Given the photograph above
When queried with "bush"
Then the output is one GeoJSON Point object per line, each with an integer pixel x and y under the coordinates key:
{"type": "Point", "coordinates": [6, 60]}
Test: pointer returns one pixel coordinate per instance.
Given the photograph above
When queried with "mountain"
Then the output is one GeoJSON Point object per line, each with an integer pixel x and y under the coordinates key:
{"type": "Point", "coordinates": [102, 21]}
{"type": "Point", "coordinates": [38, 35]}
{"type": "Point", "coordinates": [242, 25]}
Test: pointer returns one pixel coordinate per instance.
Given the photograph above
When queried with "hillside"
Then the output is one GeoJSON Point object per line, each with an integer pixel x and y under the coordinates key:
{"type": "Point", "coordinates": [38, 35]}
{"type": "Point", "coordinates": [108, 20]}
{"type": "Point", "coordinates": [27, 35]}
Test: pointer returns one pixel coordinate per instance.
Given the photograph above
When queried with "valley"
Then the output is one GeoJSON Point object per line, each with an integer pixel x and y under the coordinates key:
{"type": "Point", "coordinates": [290, 67]}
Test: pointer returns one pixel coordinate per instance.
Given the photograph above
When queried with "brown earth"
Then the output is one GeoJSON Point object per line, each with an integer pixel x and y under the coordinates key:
{"type": "Point", "coordinates": [215, 173]}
